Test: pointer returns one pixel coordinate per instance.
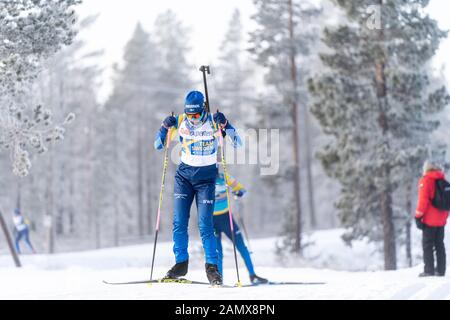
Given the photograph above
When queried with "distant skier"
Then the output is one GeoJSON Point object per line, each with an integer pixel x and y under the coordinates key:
{"type": "Point", "coordinates": [195, 177]}
{"type": "Point", "coordinates": [222, 224]}
{"type": "Point", "coordinates": [21, 231]}
{"type": "Point", "coordinates": [431, 221]}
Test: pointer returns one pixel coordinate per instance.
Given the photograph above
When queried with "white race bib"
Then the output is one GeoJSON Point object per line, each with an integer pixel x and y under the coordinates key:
{"type": "Point", "coordinates": [198, 145]}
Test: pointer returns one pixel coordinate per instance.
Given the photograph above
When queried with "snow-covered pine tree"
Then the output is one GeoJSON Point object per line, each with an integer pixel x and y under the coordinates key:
{"type": "Point", "coordinates": [285, 32]}
{"type": "Point", "coordinates": [373, 97]}
{"type": "Point", "coordinates": [233, 92]}
{"type": "Point", "coordinates": [172, 41]}
{"type": "Point", "coordinates": [113, 184]}
{"type": "Point", "coordinates": [30, 31]}
{"type": "Point", "coordinates": [66, 190]}
{"type": "Point", "coordinates": [134, 107]}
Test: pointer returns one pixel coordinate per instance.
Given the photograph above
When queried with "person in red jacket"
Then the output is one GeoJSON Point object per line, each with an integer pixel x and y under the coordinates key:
{"type": "Point", "coordinates": [431, 221]}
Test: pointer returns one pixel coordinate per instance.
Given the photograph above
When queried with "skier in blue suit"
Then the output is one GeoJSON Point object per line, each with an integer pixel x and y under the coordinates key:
{"type": "Point", "coordinates": [21, 230]}
{"type": "Point", "coordinates": [195, 178]}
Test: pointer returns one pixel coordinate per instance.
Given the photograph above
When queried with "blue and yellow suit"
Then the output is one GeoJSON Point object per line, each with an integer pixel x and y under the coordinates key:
{"type": "Point", "coordinates": [222, 221]}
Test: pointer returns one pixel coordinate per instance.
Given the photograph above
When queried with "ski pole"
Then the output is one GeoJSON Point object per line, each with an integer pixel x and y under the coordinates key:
{"type": "Point", "coordinates": [161, 193]}
{"type": "Point", "coordinates": [204, 70]}
{"type": "Point", "coordinates": [230, 214]}
{"type": "Point", "coordinates": [241, 222]}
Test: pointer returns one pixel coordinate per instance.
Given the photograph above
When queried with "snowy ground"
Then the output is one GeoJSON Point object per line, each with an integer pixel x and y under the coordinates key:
{"type": "Point", "coordinates": [79, 275]}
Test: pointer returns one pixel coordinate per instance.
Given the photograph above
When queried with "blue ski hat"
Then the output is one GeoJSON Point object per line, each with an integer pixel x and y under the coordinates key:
{"type": "Point", "coordinates": [194, 102]}
{"type": "Point", "coordinates": [16, 211]}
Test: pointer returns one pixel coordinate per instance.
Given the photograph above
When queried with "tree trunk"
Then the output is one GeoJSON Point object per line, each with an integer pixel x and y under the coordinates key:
{"type": "Point", "coordinates": [73, 191]}
{"type": "Point", "coordinates": [97, 213]}
{"type": "Point", "coordinates": [97, 230]}
{"type": "Point", "coordinates": [115, 191]}
{"type": "Point", "coordinates": [59, 218]}
{"type": "Point", "coordinates": [308, 149]}
{"type": "Point", "coordinates": [94, 220]}
{"type": "Point", "coordinates": [139, 183]}
{"type": "Point", "coordinates": [296, 147]}
{"type": "Point", "coordinates": [390, 255]}
{"type": "Point", "coordinates": [71, 205]}
{"type": "Point", "coordinates": [149, 198]}
{"type": "Point", "coordinates": [49, 201]}
{"type": "Point", "coordinates": [116, 223]}
{"type": "Point", "coordinates": [390, 260]}
{"type": "Point", "coordinates": [4, 226]}
{"type": "Point", "coordinates": [19, 194]}
{"type": "Point", "coordinates": [408, 225]}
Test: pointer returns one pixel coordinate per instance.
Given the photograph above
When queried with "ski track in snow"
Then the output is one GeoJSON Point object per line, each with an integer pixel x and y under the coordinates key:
{"type": "Point", "coordinates": [79, 275]}
{"type": "Point", "coordinates": [408, 292]}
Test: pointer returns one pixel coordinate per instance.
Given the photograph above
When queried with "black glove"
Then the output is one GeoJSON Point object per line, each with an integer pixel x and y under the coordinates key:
{"type": "Point", "coordinates": [419, 223]}
{"type": "Point", "coordinates": [170, 121]}
{"type": "Point", "coordinates": [239, 194]}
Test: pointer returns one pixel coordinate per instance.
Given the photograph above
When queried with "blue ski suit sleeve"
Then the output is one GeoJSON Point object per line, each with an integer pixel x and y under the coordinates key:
{"type": "Point", "coordinates": [161, 136]}
{"type": "Point", "coordinates": [234, 136]}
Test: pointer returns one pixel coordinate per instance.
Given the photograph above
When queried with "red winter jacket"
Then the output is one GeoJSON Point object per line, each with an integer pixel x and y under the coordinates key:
{"type": "Point", "coordinates": [430, 215]}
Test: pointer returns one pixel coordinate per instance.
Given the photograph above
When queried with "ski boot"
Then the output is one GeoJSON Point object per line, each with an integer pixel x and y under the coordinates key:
{"type": "Point", "coordinates": [213, 274]}
{"type": "Point", "coordinates": [255, 280]}
{"type": "Point", "coordinates": [178, 270]}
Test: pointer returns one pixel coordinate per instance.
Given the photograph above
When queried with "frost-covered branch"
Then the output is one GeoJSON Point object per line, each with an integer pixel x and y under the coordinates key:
{"type": "Point", "coordinates": [30, 32]}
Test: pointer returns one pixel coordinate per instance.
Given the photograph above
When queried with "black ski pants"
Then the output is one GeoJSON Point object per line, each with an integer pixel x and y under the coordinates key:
{"type": "Point", "coordinates": [433, 241]}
